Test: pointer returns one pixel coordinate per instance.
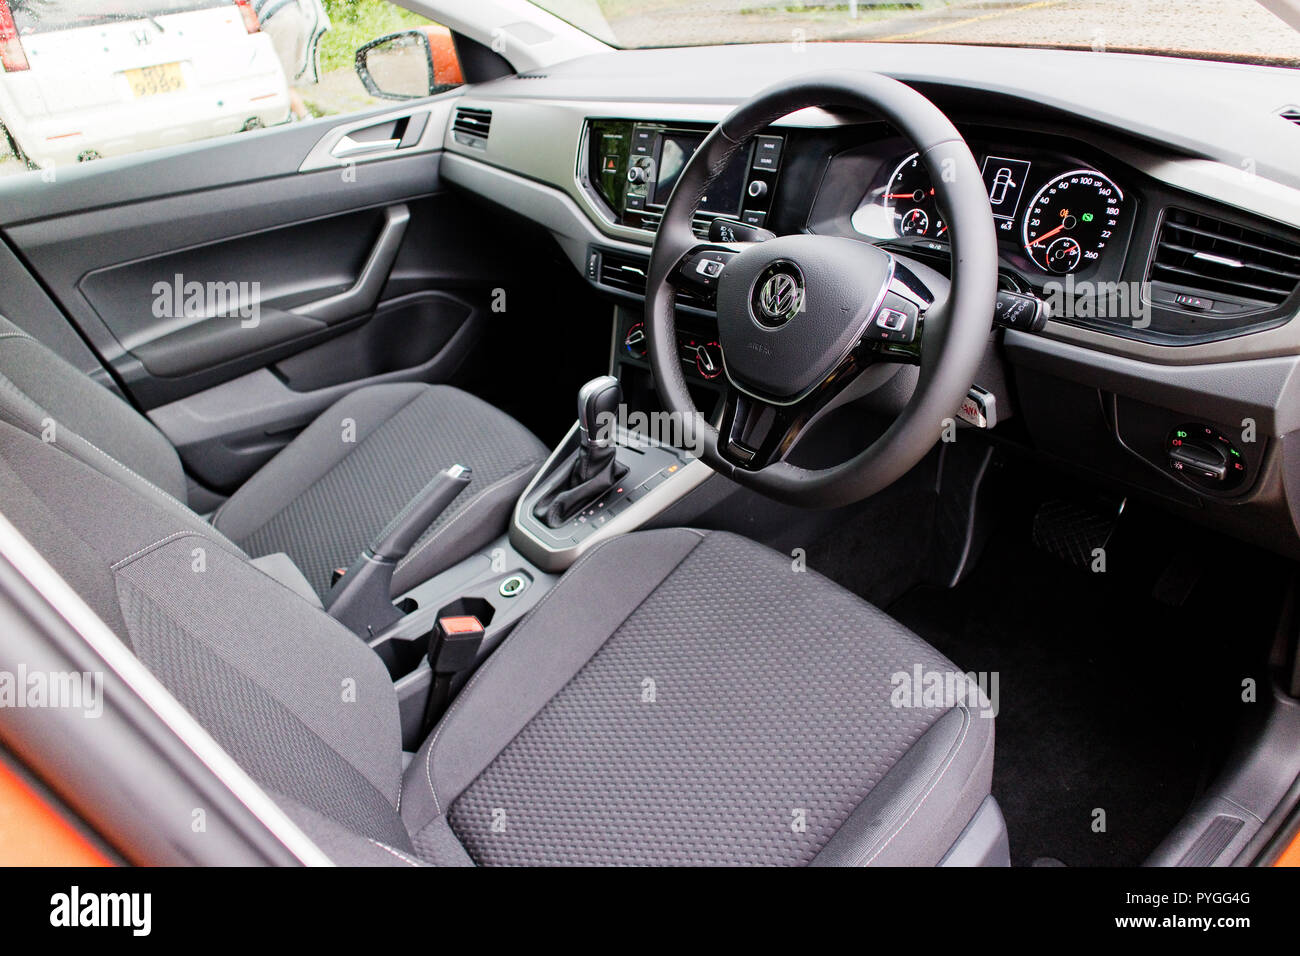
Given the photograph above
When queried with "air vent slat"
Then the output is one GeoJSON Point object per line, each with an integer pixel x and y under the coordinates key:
{"type": "Point", "coordinates": [628, 274]}
{"type": "Point", "coordinates": [1291, 114]}
{"type": "Point", "coordinates": [471, 126]}
{"type": "Point", "coordinates": [1215, 258]}
{"type": "Point", "coordinates": [1272, 251]}
{"type": "Point", "coordinates": [1245, 268]}
{"type": "Point", "coordinates": [1270, 291]}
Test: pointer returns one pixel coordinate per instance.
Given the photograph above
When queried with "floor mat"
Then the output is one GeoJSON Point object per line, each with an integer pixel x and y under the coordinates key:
{"type": "Point", "coordinates": [1109, 700]}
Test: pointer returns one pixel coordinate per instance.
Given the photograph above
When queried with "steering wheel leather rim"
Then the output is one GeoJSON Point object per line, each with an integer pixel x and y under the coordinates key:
{"type": "Point", "coordinates": [956, 329]}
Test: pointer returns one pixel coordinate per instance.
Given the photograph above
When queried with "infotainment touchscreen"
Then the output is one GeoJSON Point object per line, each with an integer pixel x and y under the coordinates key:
{"type": "Point", "coordinates": [674, 150]}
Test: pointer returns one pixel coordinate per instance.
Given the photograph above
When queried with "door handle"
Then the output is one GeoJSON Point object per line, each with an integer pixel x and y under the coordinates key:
{"type": "Point", "coordinates": [348, 147]}
{"type": "Point", "coordinates": [364, 294]}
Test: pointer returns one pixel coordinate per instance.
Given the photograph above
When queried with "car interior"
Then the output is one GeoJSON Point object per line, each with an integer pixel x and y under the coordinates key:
{"type": "Point", "coordinates": [932, 498]}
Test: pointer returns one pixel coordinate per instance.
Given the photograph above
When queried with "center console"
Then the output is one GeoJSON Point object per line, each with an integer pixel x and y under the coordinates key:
{"type": "Point", "coordinates": [614, 472]}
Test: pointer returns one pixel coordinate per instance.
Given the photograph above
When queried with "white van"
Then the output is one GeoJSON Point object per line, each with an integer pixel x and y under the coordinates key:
{"type": "Point", "coordinates": [83, 79]}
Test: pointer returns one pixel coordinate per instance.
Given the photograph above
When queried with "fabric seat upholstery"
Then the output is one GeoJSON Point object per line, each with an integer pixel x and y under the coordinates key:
{"type": "Point", "coordinates": [770, 703]}
{"type": "Point", "coordinates": [770, 706]}
{"type": "Point", "coordinates": [323, 497]}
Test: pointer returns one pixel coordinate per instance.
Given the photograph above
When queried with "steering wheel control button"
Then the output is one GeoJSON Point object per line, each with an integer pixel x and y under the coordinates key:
{"type": "Point", "coordinates": [703, 268]}
{"type": "Point", "coordinates": [513, 586]}
{"type": "Point", "coordinates": [1025, 313]}
{"type": "Point", "coordinates": [892, 320]}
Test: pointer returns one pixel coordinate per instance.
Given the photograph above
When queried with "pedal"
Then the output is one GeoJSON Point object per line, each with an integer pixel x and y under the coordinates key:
{"type": "Point", "coordinates": [1073, 530]}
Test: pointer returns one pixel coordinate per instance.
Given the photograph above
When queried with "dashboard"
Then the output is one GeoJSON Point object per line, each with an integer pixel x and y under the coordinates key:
{"type": "Point", "coordinates": [1166, 242]}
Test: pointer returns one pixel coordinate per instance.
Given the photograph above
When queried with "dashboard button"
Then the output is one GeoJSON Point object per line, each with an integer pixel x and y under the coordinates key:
{"type": "Point", "coordinates": [1194, 302]}
{"type": "Point", "coordinates": [767, 152]}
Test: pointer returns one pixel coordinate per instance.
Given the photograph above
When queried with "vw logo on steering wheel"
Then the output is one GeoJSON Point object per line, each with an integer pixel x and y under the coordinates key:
{"type": "Point", "coordinates": [778, 294]}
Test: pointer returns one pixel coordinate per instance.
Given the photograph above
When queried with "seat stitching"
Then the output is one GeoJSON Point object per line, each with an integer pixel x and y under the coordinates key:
{"type": "Point", "coordinates": [496, 655]}
{"type": "Point", "coordinates": [397, 853]}
{"type": "Point", "coordinates": [952, 757]}
{"type": "Point", "coordinates": [468, 505]}
{"type": "Point", "coordinates": [121, 562]}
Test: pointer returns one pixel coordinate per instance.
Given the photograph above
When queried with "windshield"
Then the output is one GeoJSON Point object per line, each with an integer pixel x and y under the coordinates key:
{"type": "Point", "coordinates": [1217, 29]}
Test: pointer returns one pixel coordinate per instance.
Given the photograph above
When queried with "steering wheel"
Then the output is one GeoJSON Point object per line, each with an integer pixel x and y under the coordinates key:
{"type": "Point", "coordinates": [802, 317]}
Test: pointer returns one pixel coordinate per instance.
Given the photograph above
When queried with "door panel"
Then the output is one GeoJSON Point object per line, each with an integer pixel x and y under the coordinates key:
{"type": "Point", "coordinates": [234, 295]}
{"type": "Point", "coordinates": [195, 310]}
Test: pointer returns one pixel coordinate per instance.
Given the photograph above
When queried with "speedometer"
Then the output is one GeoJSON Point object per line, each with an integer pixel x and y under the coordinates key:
{"type": "Point", "coordinates": [1071, 220]}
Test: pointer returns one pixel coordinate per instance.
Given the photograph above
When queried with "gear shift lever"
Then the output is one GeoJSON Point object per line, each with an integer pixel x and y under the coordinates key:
{"type": "Point", "coordinates": [595, 468]}
{"type": "Point", "coordinates": [598, 403]}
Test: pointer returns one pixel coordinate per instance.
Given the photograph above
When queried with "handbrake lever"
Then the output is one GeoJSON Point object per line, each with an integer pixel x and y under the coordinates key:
{"type": "Point", "coordinates": [362, 599]}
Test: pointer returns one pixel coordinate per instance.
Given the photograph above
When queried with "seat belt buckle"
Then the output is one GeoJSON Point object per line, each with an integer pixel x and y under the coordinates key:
{"type": "Point", "coordinates": [454, 643]}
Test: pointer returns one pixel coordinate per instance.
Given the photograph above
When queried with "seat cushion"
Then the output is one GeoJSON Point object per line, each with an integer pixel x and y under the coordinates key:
{"type": "Point", "coordinates": [329, 492]}
{"type": "Point", "coordinates": [692, 698]}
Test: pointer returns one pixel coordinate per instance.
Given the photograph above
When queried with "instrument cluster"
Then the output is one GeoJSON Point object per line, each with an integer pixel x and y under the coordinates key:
{"type": "Point", "coordinates": [1054, 215]}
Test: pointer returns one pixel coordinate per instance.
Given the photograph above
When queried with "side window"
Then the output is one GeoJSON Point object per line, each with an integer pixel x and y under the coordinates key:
{"type": "Point", "coordinates": [82, 79]}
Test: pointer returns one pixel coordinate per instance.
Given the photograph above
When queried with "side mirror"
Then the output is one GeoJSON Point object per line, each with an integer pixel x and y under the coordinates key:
{"type": "Point", "coordinates": [410, 64]}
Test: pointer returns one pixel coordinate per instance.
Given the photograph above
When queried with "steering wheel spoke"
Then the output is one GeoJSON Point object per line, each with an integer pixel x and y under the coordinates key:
{"type": "Point", "coordinates": [897, 329]}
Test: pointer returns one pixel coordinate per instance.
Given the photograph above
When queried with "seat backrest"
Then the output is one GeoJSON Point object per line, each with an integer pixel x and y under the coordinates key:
{"type": "Point", "coordinates": [305, 707]}
{"type": "Point", "coordinates": [40, 392]}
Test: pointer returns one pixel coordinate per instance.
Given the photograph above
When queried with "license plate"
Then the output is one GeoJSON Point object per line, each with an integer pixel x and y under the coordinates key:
{"type": "Point", "coordinates": [152, 80]}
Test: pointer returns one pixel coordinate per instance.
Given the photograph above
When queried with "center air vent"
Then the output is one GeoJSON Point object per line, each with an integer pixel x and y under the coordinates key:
{"type": "Point", "coordinates": [470, 127]}
{"type": "Point", "coordinates": [1291, 114]}
{"type": "Point", "coordinates": [1203, 258]}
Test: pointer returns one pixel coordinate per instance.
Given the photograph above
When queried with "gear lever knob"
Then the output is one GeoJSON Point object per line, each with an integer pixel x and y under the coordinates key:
{"type": "Point", "coordinates": [598, 404]}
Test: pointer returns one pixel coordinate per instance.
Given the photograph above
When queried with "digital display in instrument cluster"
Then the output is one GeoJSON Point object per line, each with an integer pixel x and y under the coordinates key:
{"type": "Point", "coordinates": [1004, 181]}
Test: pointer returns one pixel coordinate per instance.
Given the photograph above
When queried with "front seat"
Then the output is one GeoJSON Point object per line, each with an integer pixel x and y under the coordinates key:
{"type": "Point", "coordinates": [326, 495]}
{"type": "Point", "coordinates": [679, 697]}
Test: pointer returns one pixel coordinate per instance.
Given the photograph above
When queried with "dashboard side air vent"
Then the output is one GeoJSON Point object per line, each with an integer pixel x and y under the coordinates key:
{"type": "Point", "coordinates": [1291, 114]}
{"type": "Point", "coordinates": [627, 273]}
{"type": "Point", "coordinates": [623, 272]}
{"type": "Point", "coordinates": [1220, 267]}
{"type": "Point", "coordinates": [470, 127]}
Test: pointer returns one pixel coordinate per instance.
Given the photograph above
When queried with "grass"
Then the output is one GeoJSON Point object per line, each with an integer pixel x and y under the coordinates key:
{"type": "Point", "coordinates": [356, 23]}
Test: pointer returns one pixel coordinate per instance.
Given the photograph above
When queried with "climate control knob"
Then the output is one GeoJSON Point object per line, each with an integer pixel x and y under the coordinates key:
{"type": "Point", "coordinates": [634, 342]}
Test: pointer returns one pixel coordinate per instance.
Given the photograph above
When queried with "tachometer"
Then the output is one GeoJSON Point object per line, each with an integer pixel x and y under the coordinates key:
{"type": "Point", "coordinates": [1071, 220]}
{"type": "Point", "coordinates": [910, 197]}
